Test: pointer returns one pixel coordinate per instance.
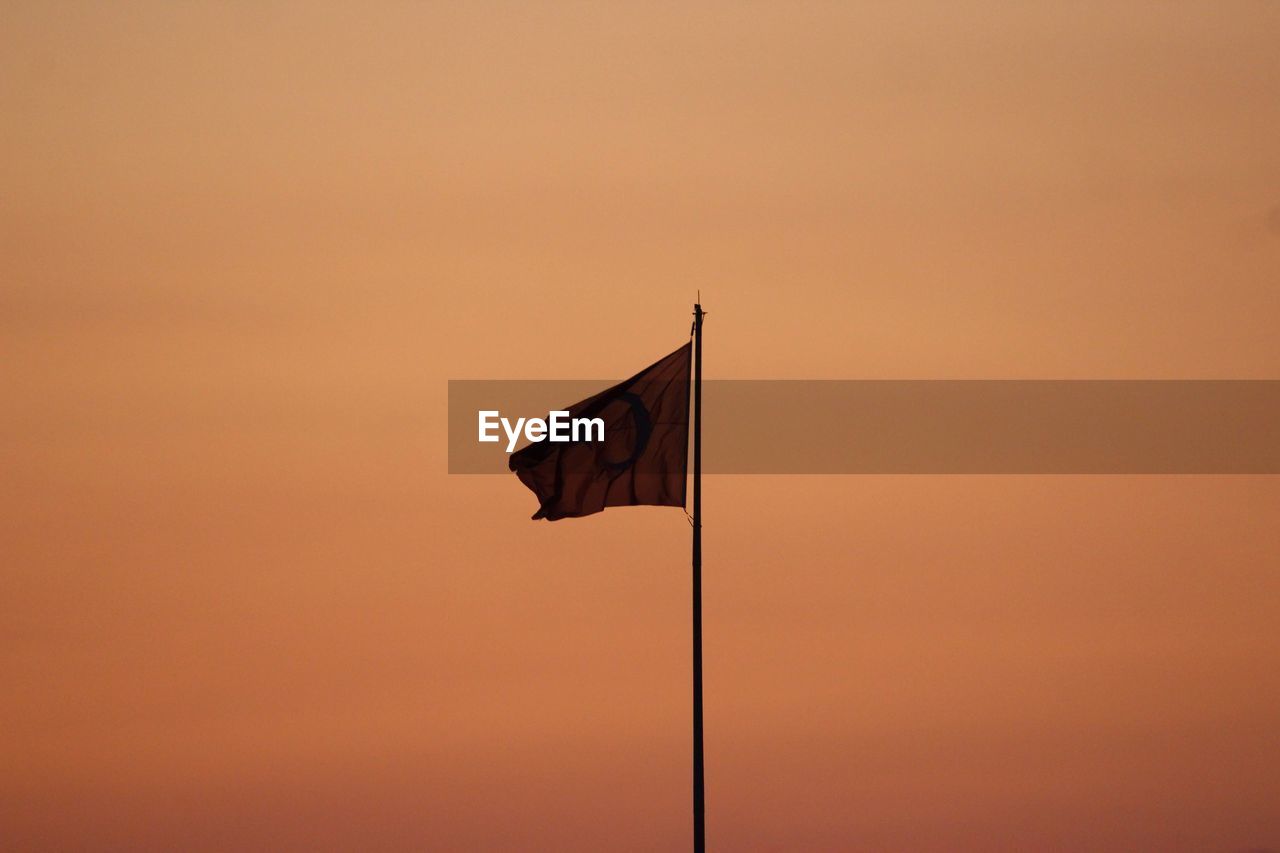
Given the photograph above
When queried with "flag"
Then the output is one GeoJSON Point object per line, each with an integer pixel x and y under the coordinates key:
{"type": "Point", "coordinates": [642, 459]}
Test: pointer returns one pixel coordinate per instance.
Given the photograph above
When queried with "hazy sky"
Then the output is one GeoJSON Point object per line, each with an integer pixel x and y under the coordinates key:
{"type": "Point", "coordinates": [243, 247]}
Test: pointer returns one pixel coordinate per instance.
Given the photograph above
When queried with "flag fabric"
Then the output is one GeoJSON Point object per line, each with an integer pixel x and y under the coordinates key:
{"type": "Point", "coordinates": [642, 459]}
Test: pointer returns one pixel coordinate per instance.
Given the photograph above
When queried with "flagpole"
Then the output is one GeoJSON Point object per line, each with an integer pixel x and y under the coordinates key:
{"type": "Point", "coordinates": [699, 802]}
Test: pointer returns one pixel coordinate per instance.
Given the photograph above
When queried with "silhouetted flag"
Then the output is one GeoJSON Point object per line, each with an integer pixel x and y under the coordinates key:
{"type": "Point", "coordinates": [644, 455]}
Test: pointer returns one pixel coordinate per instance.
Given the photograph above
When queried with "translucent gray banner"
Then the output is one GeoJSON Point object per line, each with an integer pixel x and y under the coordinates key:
{"type": "Point", "coordinates": [932, 426]}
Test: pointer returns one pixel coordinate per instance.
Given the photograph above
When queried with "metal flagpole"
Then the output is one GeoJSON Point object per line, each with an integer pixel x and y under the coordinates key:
{"type": "Point", "coordinates": [699, 802]}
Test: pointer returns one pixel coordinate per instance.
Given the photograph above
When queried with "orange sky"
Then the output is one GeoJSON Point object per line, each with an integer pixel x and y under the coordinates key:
{"type": "Point", "coordinates": [243, 248]}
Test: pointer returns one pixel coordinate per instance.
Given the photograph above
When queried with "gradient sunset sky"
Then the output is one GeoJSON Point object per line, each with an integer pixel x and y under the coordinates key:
{"type": "Point", "coordinates": [243, 247]}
